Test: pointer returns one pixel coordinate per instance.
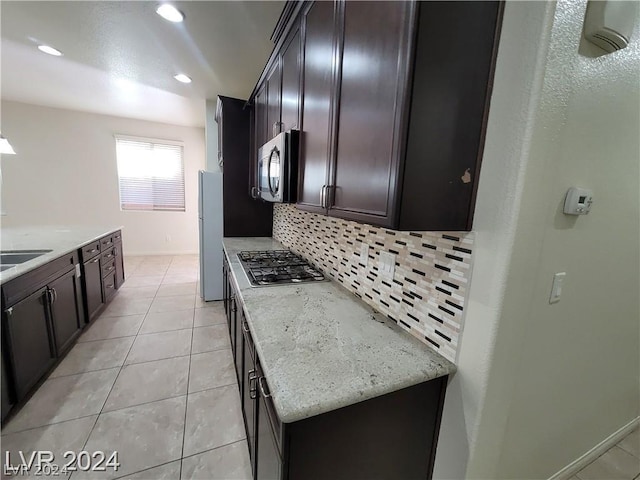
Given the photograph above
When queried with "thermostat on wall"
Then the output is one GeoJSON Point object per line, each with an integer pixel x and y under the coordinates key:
{"type": "Point", "coordinates": [578, 201]}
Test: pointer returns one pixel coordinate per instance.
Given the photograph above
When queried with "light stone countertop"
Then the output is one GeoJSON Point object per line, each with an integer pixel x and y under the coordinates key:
{"type": "Point", "coordinates": [321, 348]}
{"type": "Point", "coordinates": [59, 239]}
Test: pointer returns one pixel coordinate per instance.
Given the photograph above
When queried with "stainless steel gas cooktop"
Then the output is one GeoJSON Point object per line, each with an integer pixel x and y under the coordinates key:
{"type": "Point", "coordinates": [277, 267]}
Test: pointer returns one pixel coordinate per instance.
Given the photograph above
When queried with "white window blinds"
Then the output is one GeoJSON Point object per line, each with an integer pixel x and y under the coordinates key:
{"type": "Point", "coordinates": [151, 174]}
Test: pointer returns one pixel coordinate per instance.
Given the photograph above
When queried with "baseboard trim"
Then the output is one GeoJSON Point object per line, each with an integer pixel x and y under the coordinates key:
{"type": "Point", "coordinates": [152, 254]}
{"type": "Point", "coordinates": [581, 462]}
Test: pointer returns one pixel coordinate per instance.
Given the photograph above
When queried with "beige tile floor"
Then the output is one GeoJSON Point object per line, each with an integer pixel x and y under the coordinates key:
{"type": "Point", "coordinates": [620, 462]}
{"type": "Point", "coordinates": [152, 378]}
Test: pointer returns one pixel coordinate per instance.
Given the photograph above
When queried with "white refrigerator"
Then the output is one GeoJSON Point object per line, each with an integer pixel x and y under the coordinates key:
{"type": "Point", "coordinates": [210, 226]}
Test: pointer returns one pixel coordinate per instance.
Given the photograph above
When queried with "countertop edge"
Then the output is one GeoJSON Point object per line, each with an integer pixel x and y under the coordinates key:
{"type": "Point", "coordinates": [37, 262]}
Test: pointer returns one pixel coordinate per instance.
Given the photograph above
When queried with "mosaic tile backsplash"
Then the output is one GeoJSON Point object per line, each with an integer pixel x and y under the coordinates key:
{"type": "Point", "coordinates": [428, 290]}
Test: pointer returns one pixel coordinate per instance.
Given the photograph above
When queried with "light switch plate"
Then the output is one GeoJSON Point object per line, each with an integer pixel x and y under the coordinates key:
{"type": "Point", "coordinates": [387, 264]}
{"type": "Point", "coordinates": [556, 287]}
{"type": "Point", "coordinates": [364, 254]}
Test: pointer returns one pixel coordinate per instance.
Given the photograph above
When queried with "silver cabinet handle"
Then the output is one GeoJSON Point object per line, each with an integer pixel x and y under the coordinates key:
{"type": "Point", "coordinates": [262, 388]}
{"type": "Point", "coordinates": [53, 295]}
{"type": "Point", "coordinates": [251, 376]}
{"type": "Point", "coordinates": [276, 129]}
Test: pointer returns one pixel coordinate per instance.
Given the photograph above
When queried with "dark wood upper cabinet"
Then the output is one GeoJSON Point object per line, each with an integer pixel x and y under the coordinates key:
{"type": "Point", "coordinates": [373, 41]}
{"type": "Point", "coordinates": [394, 103]}
{"type": "Point", "coordinates": [452, 74]}
{"type": "Point", "coordinates": [291, 64]}
{"type": "Point", "coordinates": [243, 216]}
{"type": "Point", "coordinates": [319, 31]}
{"type": "Point", "coordinates": [274, 92]}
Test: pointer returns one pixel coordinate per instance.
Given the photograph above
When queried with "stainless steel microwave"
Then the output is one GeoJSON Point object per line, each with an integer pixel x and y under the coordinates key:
{"type": "Point", "coordinates": [278, 168]}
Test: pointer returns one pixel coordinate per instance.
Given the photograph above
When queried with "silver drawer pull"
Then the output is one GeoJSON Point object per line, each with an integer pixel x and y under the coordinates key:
{"type": "Point", "coordinates": [262, 388]}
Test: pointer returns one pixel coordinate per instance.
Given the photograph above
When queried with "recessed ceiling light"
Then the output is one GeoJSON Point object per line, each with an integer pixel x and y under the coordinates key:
{"type": "Point", "coordinates": [181, 77]}
{"type": "Point", "coordinates": [169, 12]}
{"type": "Point", "coordinates": [49, 50]}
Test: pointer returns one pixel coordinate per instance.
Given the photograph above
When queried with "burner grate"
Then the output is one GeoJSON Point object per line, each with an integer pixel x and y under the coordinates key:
{"type": "Point", "coordinates": [275, 267]}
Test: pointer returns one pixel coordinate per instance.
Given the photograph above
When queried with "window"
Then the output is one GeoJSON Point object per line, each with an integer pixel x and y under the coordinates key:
{"type": "Point", "coordinates": [150, 173]}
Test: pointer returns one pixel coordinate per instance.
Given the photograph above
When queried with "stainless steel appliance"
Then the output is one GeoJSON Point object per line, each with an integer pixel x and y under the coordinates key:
{"type": "Point", "coordinates": [278, 168]}
{"type": "Point", "coordinates": [276, 267]}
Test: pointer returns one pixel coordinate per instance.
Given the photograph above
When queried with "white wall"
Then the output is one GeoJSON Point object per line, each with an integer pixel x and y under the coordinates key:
{"type": "Point", "coordinates": [65, 173]}
{"type": "Point", "coordinates": [538, 384]}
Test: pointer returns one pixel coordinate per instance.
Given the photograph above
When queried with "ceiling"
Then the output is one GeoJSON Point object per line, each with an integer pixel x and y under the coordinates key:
{"type": "Point", "coordinates": [120, 56]}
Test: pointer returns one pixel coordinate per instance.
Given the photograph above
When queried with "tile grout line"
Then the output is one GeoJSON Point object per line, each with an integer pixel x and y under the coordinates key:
{"type": "Point", "coordinates": [186, 401]}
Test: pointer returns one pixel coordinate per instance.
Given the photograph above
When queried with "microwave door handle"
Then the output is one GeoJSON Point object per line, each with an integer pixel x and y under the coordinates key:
{"type": "Point", "coordinates": [274, 150]}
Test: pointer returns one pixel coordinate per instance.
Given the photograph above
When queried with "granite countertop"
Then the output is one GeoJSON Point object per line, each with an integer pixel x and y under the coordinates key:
{"type": "Point", "coordinates": [59, 239]}
{"type": "Point", "coordinates": [322, 348]}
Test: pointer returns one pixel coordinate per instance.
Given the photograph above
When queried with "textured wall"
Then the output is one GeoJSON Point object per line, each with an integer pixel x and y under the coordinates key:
{"type": "Point", "coordinates": [428, 290]}
{"type": "Point", "coordinates": [65, 173]}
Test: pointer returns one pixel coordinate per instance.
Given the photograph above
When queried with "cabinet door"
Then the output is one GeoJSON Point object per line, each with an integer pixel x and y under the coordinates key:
{"type": "Point", "coordinates": [92, 287]}
{"type": "Point", "coordinates": [291, 69]}
{"type": "Point", "coordinates": [261, 118]}
{"type": "Point", "coordinates": [268, 461]}
{"type": "Point", "coordinates": [249, 396]}
{"type": "Point", "coordinates": [373, 73]}
{"type": "Point", "coordinates": [30, 341]}
{"type": "Point", "coordinates": [117, 251]}
{"type": "Point", "coordinates": [232, 324]}
{"type": "Point", "coordinates": [274, 82]}
{"type": "Point", "coordinates": [239, 352]}
{"type": "Point", "coordinates": [7, 403]}
{"type": "Point", "coordinates": [316, 131]}
{"type": "Point", "coordinates": [65, 310]}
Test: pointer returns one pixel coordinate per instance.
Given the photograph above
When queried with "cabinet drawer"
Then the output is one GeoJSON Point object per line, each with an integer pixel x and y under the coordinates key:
{"type": "Point", "coordinates": [109, 286]}
{"type": "Point", "coordinates": [108, 266]}
{"type": "Point", "coordinates": [108, 254]}
{"type": "Point", "coordinates": [91, 250]}
{"type": "Point", "coordinates": [106, 242]}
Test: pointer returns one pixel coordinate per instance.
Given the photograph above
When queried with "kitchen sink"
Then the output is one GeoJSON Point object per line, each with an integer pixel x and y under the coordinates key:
{"type": "Point", "coordinates": [15, 257]}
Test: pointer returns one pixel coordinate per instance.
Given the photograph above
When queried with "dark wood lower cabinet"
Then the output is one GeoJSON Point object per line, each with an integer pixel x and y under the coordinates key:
{"type": "Point", "coordinates": [29, 340]}
{"type": "Point", "coordinates": [249, 394]}
{"type": "Point", "coordinates": [119, 263]}
{"type": "Point", "coordinates": [66, 310]}
{"type": "Point", "coordinates": [92, 288]}
{"type": "Point", "coordinates": [268, 460]}
{"type": "Point", "coordinates": [393, 436]}
{"type": "Point", "coordinates": [7, 396]}
{"type": "Point", "coordinates": [44, 311]}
